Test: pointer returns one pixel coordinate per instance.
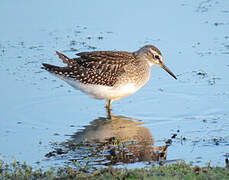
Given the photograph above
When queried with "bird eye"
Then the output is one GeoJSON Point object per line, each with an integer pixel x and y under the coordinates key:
{"type": "Point", "coordinates": [157, 57]}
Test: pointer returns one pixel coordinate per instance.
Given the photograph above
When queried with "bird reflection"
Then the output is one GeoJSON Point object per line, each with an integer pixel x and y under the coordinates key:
{"type": "Point", "coordinates": [112, 140]}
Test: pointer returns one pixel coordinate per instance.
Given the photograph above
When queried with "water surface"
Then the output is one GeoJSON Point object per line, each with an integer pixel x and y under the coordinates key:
{"type": "Point", "coordinates": [38, 111]}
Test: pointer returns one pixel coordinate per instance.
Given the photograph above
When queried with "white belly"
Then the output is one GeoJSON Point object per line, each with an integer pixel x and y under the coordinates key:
{"type": "Point", "coordinates": [103, 92]}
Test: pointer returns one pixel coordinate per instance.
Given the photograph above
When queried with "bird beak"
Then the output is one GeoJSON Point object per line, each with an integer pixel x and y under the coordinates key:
{"type": "Point", "coordinates": [168, 71]}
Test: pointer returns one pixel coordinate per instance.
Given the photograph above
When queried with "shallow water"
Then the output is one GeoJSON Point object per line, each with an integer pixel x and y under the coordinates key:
{"type": "Point", "coordinates": [38, 111]}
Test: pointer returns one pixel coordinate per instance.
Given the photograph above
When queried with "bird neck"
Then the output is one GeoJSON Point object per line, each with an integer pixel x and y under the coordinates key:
{"type": "Point", "coordinates": [143, 56]}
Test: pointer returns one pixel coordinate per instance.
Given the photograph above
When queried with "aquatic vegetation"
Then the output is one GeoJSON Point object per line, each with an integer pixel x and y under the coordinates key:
{"type": "Point", "coordinates": [181, 170]}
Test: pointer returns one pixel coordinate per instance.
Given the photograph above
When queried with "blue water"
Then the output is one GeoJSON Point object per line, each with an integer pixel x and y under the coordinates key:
{"type": "Point", "coordinates": [37, 110]}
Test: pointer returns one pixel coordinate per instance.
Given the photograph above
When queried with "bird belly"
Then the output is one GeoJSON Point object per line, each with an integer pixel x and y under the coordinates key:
{"type": "Point", "coordinates": [102, 91]}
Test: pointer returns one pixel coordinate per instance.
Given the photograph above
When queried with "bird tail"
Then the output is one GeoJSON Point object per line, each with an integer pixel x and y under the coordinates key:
{"type": "Point", "coordinates": [50, 68]}
{"type": "Point", "coordinates": [64, 58]}
{"type": "Point", "coordinates": [56, 69]}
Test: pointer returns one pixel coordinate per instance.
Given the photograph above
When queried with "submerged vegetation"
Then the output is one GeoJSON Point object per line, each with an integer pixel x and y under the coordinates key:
{"type": "Point", "coordinates": [179, 170]}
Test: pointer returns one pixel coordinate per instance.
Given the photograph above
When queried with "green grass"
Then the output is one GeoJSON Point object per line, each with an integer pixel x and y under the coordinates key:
{"type": "Point", "coordinates": [181, 170]}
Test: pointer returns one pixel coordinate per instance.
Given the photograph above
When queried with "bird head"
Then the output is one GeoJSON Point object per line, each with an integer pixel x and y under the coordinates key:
{"type": "Point", "coordinates": [153, 56]}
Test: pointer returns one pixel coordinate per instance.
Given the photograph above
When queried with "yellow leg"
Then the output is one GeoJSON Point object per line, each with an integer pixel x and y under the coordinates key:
{"type": "Point", "coordinates": [108, 108]}
{"type": "Point", "coordinates": [108, 105]}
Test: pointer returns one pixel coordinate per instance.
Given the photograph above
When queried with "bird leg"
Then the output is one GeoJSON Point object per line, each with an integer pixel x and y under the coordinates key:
{"type": "Point", "coordinates": [108, 105]}
{"type": "Point", "coordinates": [108, 108]}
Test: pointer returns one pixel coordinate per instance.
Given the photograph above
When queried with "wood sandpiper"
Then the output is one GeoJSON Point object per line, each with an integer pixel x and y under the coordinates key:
{"type": "Point", "coordinates": [109, 75]}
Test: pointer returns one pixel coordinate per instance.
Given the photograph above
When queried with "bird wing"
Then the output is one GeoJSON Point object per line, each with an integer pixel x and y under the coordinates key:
{"type": "Point", "coordinates": [98, 67]}
{"type": "Point", "coordinates": [109, 56]}
{"type": "Point", "coordinates": [107, 65]}
{"type": "Point", "coordinates": [110, 62]}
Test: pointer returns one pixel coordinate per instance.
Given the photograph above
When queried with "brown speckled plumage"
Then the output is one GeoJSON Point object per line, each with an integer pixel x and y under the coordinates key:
{"type": "Point", "coordinates": [123, 73]}
{"type": "Point", "coordinates": [98, 67]}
